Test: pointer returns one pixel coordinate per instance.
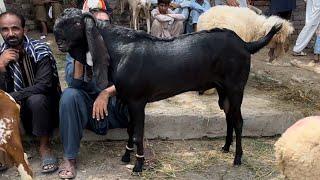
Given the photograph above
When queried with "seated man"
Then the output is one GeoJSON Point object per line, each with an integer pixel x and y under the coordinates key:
{"type": "Point", "coordinates": [28, 72]}
{"type": "Point", "coordinates": [179, 7]}
{"type": "Point", "coordinates": [197, 8]}
{"type": "Point", "coordinates": [166, 23]}
{"type": "Point", "coordinates": [84, 105]}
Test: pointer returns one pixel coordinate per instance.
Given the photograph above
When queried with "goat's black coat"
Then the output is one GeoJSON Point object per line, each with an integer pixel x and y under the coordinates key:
{"type": "Point", "coordinates": [146, 69]}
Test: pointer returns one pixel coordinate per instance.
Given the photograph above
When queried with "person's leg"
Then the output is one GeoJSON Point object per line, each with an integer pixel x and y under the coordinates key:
{"type": "Point", "coordinates": [312, 22]}
{"type": "Point", "coordinates": [176, 28]}
{"type": "Point", "coordinates": [157, 29]}
{"type": "Point", "coordinates": [41, 16]}
{"type": "Point", "coordinates": [44, 29]}
{"type": "Point", "coordinates": [317, 50]}
{"type": "Point", "coordinates": [39, 109]}
{"type": "Point", "coordinates": [304, 37]}
{"type": "Point", "coordinates": [75, 111]}
{"type": "Point", "coordinates": [193, 19]}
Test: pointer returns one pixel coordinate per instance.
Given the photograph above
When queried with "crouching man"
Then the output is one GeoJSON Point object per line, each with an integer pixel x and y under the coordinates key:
{"type": "Point", "coordinates": [166, 23]}
{"type": "Point", "coordinates": [28, 72]}
{"type": "Point", "coordinates": [84, 105]}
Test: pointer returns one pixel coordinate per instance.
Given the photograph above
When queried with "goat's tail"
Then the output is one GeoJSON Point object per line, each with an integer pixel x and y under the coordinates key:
{"type": "Point", "coordinates": [255, 46]}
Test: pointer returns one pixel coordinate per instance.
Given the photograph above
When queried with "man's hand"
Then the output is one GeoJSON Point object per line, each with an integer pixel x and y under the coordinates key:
{"type": "Point", "coordinates": [7, 56]}
{"type": "Point", "coordinates": [100, 105]}
{"type": "Point", "coordinates": [232, 3]}
{"type": "Point", "coordinates": [174, 5]}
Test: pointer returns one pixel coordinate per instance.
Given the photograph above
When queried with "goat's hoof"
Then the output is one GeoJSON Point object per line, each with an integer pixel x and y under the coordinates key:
{"type": "Point", "coordinates": [125, 158]}
{"type": "Point", "coordinates": [237, 161]}
{"type": "Point", "coordinates": [225, 149]}
{"type": "Point", "coordinates": [137, 169]}
{"type": "Point", "coordinates": [136, 173]}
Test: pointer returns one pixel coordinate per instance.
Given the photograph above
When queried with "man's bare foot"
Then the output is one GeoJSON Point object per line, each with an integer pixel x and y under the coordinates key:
{"type": "Point", "coordinates": [67, 169]}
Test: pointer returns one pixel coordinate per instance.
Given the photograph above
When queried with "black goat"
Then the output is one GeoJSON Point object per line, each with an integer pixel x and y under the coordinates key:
{"type": "Point", "coordinates": [146, 69]}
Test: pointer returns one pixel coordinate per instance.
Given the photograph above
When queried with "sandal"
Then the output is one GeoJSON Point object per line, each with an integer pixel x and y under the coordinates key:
{"type": "Point", "coordinates": [67, 166]}
{"type": "Point", "coordinates": [49, 160]}
{"type": "Point", "coordinates": [3, 167]}
{"type": "Point", "coordinates": [299, 54]}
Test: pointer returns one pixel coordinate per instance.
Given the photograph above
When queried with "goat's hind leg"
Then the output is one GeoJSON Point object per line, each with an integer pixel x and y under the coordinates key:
{"type": "Point", "coordinates": [235, 117]}
{"type": "Point", "coordinates": [225, 105]}
{"type": "Point", "coordinates": [129, 147]}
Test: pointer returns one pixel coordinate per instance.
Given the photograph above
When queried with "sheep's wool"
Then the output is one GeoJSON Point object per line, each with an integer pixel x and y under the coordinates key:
{"type": "Point", "coordinates": [5, 129]}
{"type": "Point", "coordinates": [298, 150]}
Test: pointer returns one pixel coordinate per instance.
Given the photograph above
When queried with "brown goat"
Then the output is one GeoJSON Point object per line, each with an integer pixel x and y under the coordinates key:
{"type": "Point", "coordinates": [10, 140]}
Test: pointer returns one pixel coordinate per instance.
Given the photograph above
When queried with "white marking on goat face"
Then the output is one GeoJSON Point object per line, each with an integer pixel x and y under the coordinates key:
{"type": "Point", "coordinates": [23, 173]}
{"type": "Point", "coordinates": [89, 59]}
{"type": "Point", "coordinates": [5, 129]}
{"type": "Point", "coordinates": [11, 98]}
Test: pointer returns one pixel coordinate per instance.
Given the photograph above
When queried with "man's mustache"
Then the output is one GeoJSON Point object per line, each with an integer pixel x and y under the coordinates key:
{"type": "Point", "coordinates": [13, 41]}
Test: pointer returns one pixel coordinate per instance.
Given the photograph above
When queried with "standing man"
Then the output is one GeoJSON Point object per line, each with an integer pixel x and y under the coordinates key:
{"type": "Point", "coordinates": [282, 8]}
{"type": "Point", "coordinates": [310, 27]}
{"type": "Point", "coordinates": [28, 73]}
{"type": "Point", "coordinates": [41, 12]}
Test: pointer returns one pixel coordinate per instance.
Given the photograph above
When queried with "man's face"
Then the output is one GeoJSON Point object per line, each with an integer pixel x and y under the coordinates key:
{"type": "Point", "coordinates": [11, 30]}
{"type": "Point", "coordinates": [163, 8]}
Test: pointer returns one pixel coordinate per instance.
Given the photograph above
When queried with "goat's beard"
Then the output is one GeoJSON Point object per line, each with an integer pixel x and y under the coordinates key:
{"type": "Point", "coordinates": [13, 41]}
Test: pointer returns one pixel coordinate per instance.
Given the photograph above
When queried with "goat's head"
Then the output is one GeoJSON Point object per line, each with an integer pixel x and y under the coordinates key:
{"type": "Point", "coordinates": [280, 42]}
{"type": "Point", "coordinates": [69, 30]}
{"type": "Point", "coordinates": [76, 33]}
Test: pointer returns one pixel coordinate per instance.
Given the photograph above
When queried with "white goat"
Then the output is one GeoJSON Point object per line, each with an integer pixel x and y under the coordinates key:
{"type": "Point", "coordinates": [136, 6]}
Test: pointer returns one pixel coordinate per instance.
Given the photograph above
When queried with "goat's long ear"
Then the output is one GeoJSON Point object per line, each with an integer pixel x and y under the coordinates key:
{"type": "Point", "coordinates": [99, 52]}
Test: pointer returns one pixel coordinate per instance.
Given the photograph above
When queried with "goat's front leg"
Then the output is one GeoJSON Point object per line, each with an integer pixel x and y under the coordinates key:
{"type": "Point", "coordinates": [225, 106]}
{"type": "Point", "coordinates": [137, 115]}
{"type": "Point", "coordinates": [129, 147]}
{"type": "Point", "coordinates": [15, 151]}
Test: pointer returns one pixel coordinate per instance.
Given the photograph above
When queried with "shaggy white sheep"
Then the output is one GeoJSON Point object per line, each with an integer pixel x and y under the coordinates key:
{"type": "Point", "coordinates": [248, 25]}
{"type": "Point", "coordinates": [298, 150]}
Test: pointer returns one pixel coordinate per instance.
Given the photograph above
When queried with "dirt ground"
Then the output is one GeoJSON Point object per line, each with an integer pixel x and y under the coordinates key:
{"type": "Point", "coordinates": [189, 159]}
{"type": "Point", "coordinates": [201, 158]}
